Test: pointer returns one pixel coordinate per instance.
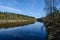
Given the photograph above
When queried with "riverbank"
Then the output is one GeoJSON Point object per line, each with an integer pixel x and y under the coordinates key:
{"type": "Point", "coordinates": [12, 19]}
{"type": "Point", "coordinates": [52, 23]}
{"type": "Point", "coordinates": [14, 23]}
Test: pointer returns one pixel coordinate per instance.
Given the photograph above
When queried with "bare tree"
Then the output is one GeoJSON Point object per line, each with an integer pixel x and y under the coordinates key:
{"type": "Point", "coordinates": [51, 5]}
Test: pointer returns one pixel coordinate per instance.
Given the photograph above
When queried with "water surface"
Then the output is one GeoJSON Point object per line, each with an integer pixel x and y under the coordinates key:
{"type": "Point", "coordinates": [34, 31]}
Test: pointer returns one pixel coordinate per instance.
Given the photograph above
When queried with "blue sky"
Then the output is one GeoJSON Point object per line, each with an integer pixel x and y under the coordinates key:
{"type": "Point", "coordinates": [27, 7]}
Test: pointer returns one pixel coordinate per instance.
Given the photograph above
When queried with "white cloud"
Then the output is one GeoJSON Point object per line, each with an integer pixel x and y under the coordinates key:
{"type": "Point", "coordinates": [9, 9]}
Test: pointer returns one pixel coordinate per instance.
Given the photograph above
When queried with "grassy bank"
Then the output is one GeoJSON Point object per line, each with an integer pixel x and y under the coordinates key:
{"type": "Point", "coordinates": [12, 20]}
{"type": "Point", "coordinates": [52, 23]}
{"type": "Point", "coordinates": [14, 16]}
{"type": "Point", "coordinates": [17, 23]}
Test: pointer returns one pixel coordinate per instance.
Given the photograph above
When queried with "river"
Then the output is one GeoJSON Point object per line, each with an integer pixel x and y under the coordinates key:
{"type": "Point", "coordinates": [36, 31]}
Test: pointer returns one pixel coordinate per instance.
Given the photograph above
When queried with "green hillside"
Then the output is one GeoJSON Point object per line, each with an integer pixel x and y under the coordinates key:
{"type": "Point", "coordinates": [13, 16]}
{"type": "Point", "coordinates": [11, 20]}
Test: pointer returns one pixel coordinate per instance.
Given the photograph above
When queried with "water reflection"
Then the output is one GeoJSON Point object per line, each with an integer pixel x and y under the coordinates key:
{"type": "Point", "coordinates": [29, 32]}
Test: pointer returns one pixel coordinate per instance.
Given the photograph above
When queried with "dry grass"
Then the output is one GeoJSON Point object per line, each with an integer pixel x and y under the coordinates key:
{"type": "Point", "coordinates": [14, 23]}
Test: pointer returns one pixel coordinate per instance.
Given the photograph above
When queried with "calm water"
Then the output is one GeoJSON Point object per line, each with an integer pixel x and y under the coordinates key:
{"type": "Point", "coordinates": [34, 31]}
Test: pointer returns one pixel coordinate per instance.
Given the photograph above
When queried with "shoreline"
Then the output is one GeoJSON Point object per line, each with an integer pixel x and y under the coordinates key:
{"type": "Point", "coordinates": [15, 23]}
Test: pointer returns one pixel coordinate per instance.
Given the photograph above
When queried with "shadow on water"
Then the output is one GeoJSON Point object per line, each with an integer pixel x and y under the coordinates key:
{"type": "Point", "coordinates": [34, 31]}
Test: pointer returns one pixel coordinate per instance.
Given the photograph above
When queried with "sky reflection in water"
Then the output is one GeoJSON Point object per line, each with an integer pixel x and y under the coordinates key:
{"type": "Point", "coordinates": [34, 31]}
